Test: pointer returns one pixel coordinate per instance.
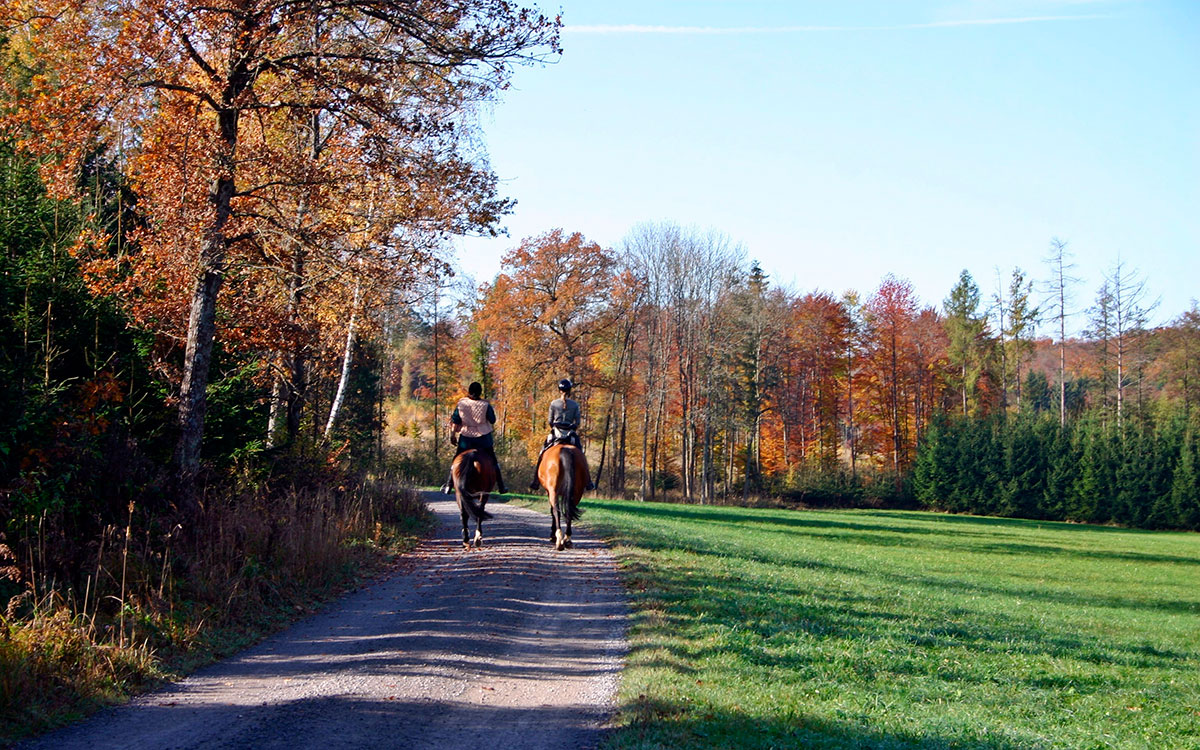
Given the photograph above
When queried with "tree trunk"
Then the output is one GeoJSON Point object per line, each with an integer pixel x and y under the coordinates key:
{"type": "Point", "coordinates": [201, 332]}
{"type": "Point", "coordinates": [618, 480]}
{"type": "Point", "coordinates": [347, 361]}
{"type": "Point", "coordinates": [658, 420]}
{"type": "Point", "coordinates": [612, 402]}
{"type": "Point", "coordinates": [278, 412]}
{"type": "Point", "coordinates": [297, 366]}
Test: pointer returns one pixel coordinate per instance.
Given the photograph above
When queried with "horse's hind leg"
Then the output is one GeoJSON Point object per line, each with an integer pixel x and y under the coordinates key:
{"type": "Point", "coordinates": [564, 541]}
{"type": "Point", "coordinates": [567, 542]}
{"type": "Point", "coordinates": [479, 533]}
{"type": "Point", "coordinates": [462, 509]}
{"type": "Point", "coordinates": [553, 524]}
{"type": "Point", "coordinates": [560, 536]}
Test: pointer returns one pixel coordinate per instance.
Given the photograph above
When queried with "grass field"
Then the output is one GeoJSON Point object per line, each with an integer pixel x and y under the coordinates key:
{"type": "Point", "coordinates": [876, 629]}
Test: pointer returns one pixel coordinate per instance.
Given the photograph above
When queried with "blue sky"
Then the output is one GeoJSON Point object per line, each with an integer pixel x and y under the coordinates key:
{"type": "Point", "coordinates": [840, 141]}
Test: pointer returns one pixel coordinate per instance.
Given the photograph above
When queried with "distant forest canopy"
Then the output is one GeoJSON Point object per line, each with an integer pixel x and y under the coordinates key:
{"type": "Point", "coordinates": [703, 381]}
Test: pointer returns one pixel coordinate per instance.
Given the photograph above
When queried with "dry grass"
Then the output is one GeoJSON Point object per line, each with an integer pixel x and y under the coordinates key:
{"type": "Point", "coordinates": [155, 600]}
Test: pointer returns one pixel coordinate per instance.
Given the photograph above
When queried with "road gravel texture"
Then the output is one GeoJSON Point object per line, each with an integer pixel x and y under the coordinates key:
{"type": "Point", "coordinates": [511, 646]}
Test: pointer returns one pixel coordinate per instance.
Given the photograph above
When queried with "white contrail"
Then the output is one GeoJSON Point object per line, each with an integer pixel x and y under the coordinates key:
{"type": "Point", "coordinates": [640, 29]}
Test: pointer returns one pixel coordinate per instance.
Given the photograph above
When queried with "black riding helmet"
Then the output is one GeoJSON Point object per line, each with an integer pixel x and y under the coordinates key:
{"type": "Point", "coordinates": [564, 384]}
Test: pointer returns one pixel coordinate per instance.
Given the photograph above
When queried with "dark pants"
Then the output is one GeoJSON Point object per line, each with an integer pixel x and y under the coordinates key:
{"type": "Point", "coordinates": [485, 444]}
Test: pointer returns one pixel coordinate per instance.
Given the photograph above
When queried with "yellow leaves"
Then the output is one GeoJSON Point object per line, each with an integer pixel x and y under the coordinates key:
{"type": "Point", "coordinates": [88, 242]}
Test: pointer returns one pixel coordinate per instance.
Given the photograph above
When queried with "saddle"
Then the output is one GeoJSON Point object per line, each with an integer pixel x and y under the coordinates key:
{"type": "Point", "coordinates": [561, 436]}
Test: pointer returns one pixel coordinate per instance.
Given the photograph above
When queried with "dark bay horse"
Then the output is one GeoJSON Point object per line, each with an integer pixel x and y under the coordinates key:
{"type": "Point", "coordinates": [564, 474]}
{"type": "Point", "coordinates": [474, 475]}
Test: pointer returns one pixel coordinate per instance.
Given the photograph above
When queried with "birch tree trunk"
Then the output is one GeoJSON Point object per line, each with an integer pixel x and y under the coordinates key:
{"type": "Point", "coordinates": [347, 362]}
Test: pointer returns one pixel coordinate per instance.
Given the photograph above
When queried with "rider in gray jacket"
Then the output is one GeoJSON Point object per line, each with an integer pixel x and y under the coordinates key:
{"type": "Point", "coordinates": [564, 421]}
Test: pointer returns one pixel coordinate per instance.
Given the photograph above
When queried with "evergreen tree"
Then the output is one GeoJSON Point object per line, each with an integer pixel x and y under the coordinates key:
{"type": "Point", "coordinates": [1167, 450]}
{"type": "Point", "coordinates": [966, 329]}
{"type": "Point", "coordinates": [1036, 395]}
{"type": "Point", "coordinates": [1091, 497]}
{"type": "Point", "coordinates": [1062, 468]}
{"type": "Point", "coordinates": [1185, 485]}
{"type": "Point", "coordinates": [1026, 468]}
{"type": "Point", "coordinates": [933, 468]}
{"type": "Point", "coordinates": [1022, 317]}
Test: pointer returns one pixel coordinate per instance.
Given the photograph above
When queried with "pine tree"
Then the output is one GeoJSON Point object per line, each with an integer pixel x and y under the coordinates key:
{"type": "Point", "coordinates": [1092, 491]}
{"type": "Point", "coordinates": [966, 329]}
{"type": "Point", "coordinates": [1026, 468]}
{"type": "Point", "coordinates": [1062, 468]}
{"type": "Point", "coordinates": [932, 469]}
{"type": "Point", "coordinates": [1185, 485]}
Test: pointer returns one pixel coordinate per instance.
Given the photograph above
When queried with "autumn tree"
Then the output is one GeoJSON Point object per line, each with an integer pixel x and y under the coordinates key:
{"type": "Point", "coordinates": [757, 320]}
{"type": "Point", "coordinates": [548, 309]}
{"type": "Point", "coordinates": [891, 314]}
{"type": "Point", "coordinates": [1181, 359]}
{"type": "Point", "coordinates": [816, 377]}
{"type": "Point", "coordinates": [198, 89]}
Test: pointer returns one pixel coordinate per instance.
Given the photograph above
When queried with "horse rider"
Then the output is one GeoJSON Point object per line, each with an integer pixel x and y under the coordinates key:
{"type": "Point", "coordinates": [471, 427]}
{"type": "Point", "coordinates": [564, 423]}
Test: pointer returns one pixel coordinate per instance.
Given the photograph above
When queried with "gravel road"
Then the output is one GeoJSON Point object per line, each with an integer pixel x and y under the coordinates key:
{"type": "Point", "coordinates": [511, 646]}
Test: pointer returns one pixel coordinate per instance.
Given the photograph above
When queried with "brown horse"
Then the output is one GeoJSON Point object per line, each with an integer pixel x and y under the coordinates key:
{"type": "Point", "coordinates": [564, 474]}
{"type": "Point", "coordinates": [473, 475]}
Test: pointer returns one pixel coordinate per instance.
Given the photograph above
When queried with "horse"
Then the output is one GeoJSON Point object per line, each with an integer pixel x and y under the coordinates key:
{"type": "Point", "coordinates": [564, 474]}
{"type": "Point", "coordinates": [473, 475]}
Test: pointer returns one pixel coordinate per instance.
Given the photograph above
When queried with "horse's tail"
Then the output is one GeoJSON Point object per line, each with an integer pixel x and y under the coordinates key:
{"type": "Point", "coordinates": [462, 483]}
{"type": "Point", "coordinates": [567, 460]}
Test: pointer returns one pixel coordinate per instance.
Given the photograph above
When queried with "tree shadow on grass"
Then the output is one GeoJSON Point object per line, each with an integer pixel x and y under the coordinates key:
{"type": "Point", "coordinates": [657, 723]}
{"type": "Point", "coordinates": [982, 527]}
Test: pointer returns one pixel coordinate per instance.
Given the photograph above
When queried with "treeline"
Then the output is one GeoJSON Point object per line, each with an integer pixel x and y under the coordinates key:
{"type": "Point", "coordinates": [704, 381]}
{"type": "Point", "coordinates": [1138, 474]}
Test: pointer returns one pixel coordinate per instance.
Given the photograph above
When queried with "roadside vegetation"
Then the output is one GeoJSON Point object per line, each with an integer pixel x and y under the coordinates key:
{"type": "Point", "coordinates": [757, 628]}
{"type": "Point", "coordinates": [157, 603]}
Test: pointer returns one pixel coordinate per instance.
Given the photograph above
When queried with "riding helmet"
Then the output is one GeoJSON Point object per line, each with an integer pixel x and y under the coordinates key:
{"type": "Point", "coordinates": [564, 385]}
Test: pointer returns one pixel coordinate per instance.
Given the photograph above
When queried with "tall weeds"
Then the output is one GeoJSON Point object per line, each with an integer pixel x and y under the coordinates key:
{"type": "Point", "coordinates": [147, 598]}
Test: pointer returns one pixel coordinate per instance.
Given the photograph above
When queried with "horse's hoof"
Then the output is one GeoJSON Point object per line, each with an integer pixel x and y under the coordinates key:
{"type": "Point", "coordinates": [568, 544]}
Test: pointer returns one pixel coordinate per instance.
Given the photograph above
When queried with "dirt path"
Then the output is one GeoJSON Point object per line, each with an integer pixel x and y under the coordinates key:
{"type": "Point", "coordinates": [511, 646]}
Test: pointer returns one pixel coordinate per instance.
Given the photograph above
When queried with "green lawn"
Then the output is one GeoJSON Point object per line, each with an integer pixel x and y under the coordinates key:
{"type": "Point", "coordinates": [774, 628]}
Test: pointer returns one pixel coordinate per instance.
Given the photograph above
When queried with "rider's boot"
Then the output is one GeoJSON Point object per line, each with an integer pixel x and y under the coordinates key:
{"type": "Point", "coordinates": [500, 482]}
{"type": "Point", "coordinates": [448, 487]}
